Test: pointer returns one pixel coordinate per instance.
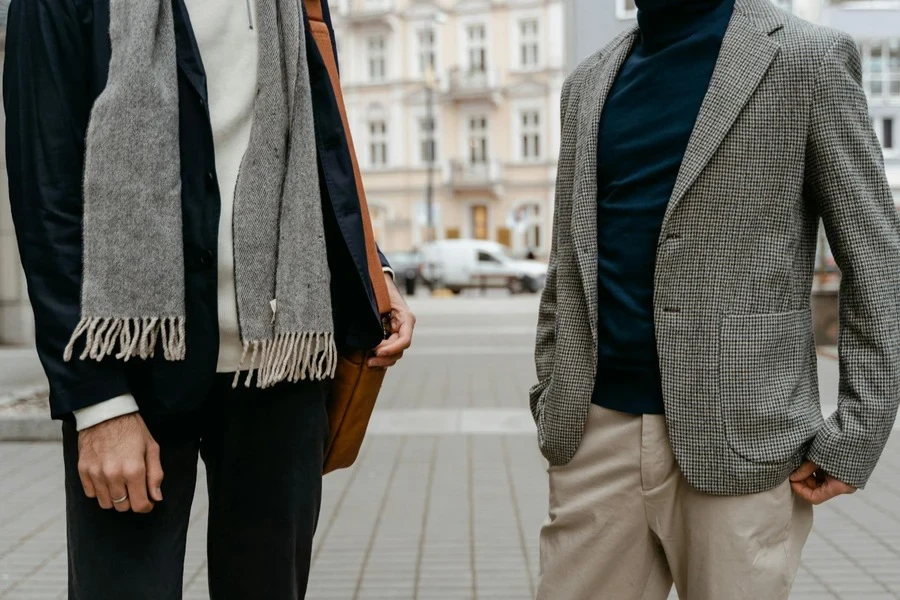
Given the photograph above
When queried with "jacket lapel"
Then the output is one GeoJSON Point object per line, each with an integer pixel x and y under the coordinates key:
{"type": "Point", "coordinates": [595, 90]}
{"type": "Point", "coordinates": [746, 55]}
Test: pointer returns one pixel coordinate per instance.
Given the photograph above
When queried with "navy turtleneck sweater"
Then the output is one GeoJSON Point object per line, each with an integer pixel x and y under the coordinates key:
{"type": "Point", "coordinates": [644, 131]}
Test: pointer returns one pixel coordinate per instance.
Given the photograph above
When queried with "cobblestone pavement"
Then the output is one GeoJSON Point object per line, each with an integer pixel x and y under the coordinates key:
{"type": "Point", "coordinates": [447, 498]}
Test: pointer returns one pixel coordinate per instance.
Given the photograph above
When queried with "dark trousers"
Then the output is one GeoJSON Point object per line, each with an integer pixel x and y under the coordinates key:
{"type": "Point", "coordinates": [263, 451]}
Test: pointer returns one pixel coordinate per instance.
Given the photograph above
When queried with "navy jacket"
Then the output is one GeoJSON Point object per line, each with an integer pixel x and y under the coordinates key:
{"type": "Point", "coordinates": [57, 58]}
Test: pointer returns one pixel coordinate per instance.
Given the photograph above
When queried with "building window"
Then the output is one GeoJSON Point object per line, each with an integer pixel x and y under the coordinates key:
{"type": "Point", "coordinates": [378, 144]}
{"type": "Point", "coordinates": [887, 134]}
{"type": "Point", "coordinates": [527, 222]}
{"type": "Point", "coordinates": [478, 140]}
{"type": "Point", "coordinates": [479, 222]}
{"type": "Point", "coordinates": [530, 121]}
{"type": "Point", "coordinates": [378, 214]}
{"type": "Point", "coordinates": [881, 69]}
{"type": "Point", "coordinates": [626, 9]}
{"type": "Point", "coordinates": [476, 37]}
{"type": "Point", "coordinates": [376, 47]}
{"type": "Point", "coordinates": [426, 41]}
{"type": "Point", "coordinates": [427, 140]}
{"type": "Point", "coordinates": [529, 43]}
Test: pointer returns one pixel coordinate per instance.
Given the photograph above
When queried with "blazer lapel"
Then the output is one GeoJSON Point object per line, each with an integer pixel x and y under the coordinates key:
{"type": "Point", "coordinates": [584, 193]}
{"type": "Point", "coordinates": [746, 54]}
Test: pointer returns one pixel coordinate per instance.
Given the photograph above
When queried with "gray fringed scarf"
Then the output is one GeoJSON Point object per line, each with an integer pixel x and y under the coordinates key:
{"type": "Point", "coordinates": [133, 283]}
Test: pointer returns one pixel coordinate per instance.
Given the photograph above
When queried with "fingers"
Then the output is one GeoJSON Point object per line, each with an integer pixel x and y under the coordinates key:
{"type": "Point", "coordinates": [803, 491]}
{"type": "Point", "coordinates": [398, 342]}
{"type": "Point", "coordinates": [118, 491]}
{"type": "Point", "coordinates": [817, 491]}
{"type": "Point", "coordinates": [136, 483]}
{"type": "Point", "coordinates": [136, 480]}
{"type": "Point", "coordinates": [86, 481]}
{"type": "Point", "coordinates": [116, 482]}
{"type": "Point", "coordinates": [816, 495]}
{"type": "Point", "coordinates": [104, 499]}
{"type": "Point", "coordinates": [154, 472]}
{"type": "Point", "coordinates": [805, 471]}
{"type": "Point", "coordinates": [388, 353]}
{"type": "Point", "coordinates": [95, 485]}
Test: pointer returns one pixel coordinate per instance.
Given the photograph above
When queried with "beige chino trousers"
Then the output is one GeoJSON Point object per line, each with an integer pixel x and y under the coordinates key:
{"type": "Point", "coordinates": [624, 524]}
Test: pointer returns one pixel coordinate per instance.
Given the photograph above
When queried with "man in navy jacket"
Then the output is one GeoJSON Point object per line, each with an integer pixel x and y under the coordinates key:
{"type": "Point", "coordinates": [262, 448]}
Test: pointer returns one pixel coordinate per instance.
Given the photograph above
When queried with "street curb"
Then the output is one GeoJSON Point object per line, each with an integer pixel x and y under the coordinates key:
{"type": "Point", "coordinates": [29, 428]}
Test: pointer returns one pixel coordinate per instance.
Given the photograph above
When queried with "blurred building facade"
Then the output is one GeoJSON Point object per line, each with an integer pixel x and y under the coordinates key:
{"type": "Point", "coordinates": [489, 72]}
{"type": "Point", "coordinates": [486, 75]}
{"type": "Point", "coordinates": [16, 324]}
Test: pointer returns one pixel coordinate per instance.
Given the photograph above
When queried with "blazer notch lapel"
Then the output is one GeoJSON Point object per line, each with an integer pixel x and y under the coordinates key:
{"type": "Point", "coordinates": [745, 57]}
{"type": "Point", "coordinates": [594, 91]}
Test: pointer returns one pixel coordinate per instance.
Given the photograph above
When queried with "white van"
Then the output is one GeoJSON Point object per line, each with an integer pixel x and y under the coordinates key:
{"type": "Point", "coordinates": [463, 264]}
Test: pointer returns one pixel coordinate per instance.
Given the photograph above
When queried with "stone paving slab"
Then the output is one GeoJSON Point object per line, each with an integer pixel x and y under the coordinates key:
{"type": "Point", "coordinates": [446, 500]}
{"type": "Point", "coordinates": [435, 516]}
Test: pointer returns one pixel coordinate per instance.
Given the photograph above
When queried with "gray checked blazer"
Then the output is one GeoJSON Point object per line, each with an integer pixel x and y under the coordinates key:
{"type": "Point", "coordinates": [783, 139]}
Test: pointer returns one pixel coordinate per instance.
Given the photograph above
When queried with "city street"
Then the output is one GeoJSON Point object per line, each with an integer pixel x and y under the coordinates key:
{"type": "Point", "coordinates": [448, 496]}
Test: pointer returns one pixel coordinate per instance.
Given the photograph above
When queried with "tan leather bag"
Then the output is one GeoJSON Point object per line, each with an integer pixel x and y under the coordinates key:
{"type": "Point", "coordinates": [356, 385]}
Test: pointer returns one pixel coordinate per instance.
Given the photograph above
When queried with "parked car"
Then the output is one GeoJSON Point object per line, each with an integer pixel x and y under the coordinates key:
{"type": "Point", "coordinates": [465, 264]}
{"type": "Point", "coordinates": [407, 268]}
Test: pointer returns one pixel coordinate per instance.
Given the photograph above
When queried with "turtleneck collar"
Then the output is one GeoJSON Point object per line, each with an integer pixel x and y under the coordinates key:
{"type": "Point", "coordinates": [664, 22]}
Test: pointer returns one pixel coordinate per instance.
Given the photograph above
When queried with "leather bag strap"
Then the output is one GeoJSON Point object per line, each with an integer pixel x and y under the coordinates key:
{"type": "Point", "coordinates": [322, 36]}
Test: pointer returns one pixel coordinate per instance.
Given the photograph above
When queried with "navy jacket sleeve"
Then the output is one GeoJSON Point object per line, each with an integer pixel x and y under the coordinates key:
{"type": "Point", "coordinates": [47, 98]}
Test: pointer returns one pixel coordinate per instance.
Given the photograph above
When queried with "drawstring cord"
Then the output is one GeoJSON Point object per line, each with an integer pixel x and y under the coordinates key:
{"type": "Point", "coordinates": [250, 14]}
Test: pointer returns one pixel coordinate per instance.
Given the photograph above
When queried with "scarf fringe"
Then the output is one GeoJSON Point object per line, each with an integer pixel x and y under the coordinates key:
{"type": "Point", "coordinates": [289, 357]}
{"type": "Point", "coordinates": [132, 337]}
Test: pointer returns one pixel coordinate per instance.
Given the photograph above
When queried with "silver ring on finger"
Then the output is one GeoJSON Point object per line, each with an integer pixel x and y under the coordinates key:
{"type": "Point", "coordinates": [121, 500]}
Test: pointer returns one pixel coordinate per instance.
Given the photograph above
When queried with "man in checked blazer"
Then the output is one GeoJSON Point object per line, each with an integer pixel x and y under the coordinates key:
{"type": "Point", "coordinates": [677, 400]}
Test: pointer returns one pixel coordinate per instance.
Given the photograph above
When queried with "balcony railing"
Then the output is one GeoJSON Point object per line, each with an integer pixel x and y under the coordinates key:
{"type": "Point", "coordinates": [475, 84]}
{"type": "Point", "coordinates": [483, 176]}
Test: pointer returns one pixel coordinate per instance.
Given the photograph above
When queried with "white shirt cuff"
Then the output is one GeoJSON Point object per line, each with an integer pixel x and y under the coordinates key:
{"type": "Point", "coordinates": [105, 411]}
{"type": "Point", "coordinates": [389, 271]}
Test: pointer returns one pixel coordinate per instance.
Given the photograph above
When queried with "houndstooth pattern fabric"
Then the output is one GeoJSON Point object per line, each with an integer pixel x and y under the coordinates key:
{"type": "Point", "coordinates": [783, 139]}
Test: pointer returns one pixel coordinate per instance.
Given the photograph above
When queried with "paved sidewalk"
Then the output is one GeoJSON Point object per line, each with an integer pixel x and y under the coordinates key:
{"type": "Point", "coordinates": [19, 369]}
{"type": "Point", "coordinates": [449, 493]}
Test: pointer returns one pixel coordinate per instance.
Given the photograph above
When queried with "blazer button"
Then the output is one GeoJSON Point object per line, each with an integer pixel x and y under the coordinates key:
{"type": "Point", "coordinates": [206, 259]}
{"type": "Point", "coordinates": [210, 178]}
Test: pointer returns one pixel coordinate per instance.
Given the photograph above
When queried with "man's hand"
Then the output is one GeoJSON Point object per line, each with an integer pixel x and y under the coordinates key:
{"type": "Point", "coordinates": [816, 486]}
{"type": "Point", "coordinates": [402, 324]}
{"type": "Point", "coordinates": [118, 461]}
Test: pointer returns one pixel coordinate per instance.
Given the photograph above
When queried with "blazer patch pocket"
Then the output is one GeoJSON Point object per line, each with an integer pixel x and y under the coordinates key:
{"type": "Point", "coordinates": [767, 384]}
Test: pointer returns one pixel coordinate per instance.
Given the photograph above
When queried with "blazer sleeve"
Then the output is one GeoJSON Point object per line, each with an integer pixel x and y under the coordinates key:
{"type": "Point", "coordinates": [846, 180]}
{"type": "Point", "coordinates": [46, 93]}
